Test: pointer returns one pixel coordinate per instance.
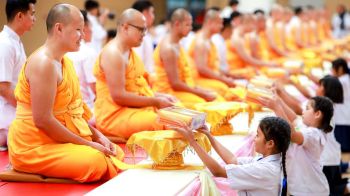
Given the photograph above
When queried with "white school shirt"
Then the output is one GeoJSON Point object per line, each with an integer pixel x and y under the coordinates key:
{"type": "Point", "coordinates": [12, 58]}
{"type": "Point", "coordinates": [220, 45]}
{"type": "Point", "coordinates": [83, 61]}
{"type": "Point", "coordinates": [342, 111]}
{"type": "Point", "coordinates": [145, 52]}
{"type": "Point", "coordinates": [331, 154]}
{"type": "Point", "coordinates": [304, 169]}
{"type": "Point", "coordinates": [99, 34]}
{"type": "Point", "coordinates": [255, 177]}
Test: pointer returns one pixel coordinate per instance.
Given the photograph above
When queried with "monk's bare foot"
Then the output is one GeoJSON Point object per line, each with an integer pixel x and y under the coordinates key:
{"type": "Point", "coordinates": [3, 138]}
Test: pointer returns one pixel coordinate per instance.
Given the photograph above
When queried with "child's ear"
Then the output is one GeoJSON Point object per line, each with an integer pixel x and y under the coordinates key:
{"type": "Point", "coordinates": [318, 114]}
{"type": "Point", "coordinates": [270, 144]}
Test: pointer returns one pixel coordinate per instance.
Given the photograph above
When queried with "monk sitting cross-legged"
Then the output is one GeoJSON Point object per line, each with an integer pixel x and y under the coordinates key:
{"type": "Point", "coordinates": [50, 135]}
{"type": "Point", "coordinates": [125, 103]}
{"type": "Point", "coordinates": [172, 67]}
{"type": "Point", "coordinates": [205, 57]}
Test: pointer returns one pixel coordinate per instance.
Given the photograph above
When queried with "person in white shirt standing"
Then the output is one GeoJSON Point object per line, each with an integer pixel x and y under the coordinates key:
{"type": "Point", "coordinates": [97, 21]}
{"type": "Point", "coordinates": [145, 50]}
{"type": "Point", "coordinates": [20, 19]}
{"type": "Point", "coordinates": [341, 22]}
{"type": "Point", "coordinates": [341, 70]}
{"type": "Point", "coordinates": [84, 61]}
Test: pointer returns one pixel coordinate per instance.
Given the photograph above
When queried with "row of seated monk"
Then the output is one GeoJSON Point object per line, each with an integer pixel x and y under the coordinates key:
{"type": "Point", "coordinates": [51, 129]}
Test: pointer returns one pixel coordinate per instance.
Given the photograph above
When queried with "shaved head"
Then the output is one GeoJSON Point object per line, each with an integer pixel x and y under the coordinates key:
{"type": "Point", "coordinates": [211, 14]}
{"type": "Point", "coordinates": [60, 13]}
{"type": "Point", "coordinates": [129, 15]}
{"type": "Point", "coordinates": [180, 15]}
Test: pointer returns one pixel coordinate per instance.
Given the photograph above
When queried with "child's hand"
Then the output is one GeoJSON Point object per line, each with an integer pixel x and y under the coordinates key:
{"type": "Point", "coordinates": [271, 103]}
{"type": "Point", "coordinates": [184, 130]}
{"type": "Point", "coordinates": [204, 130]}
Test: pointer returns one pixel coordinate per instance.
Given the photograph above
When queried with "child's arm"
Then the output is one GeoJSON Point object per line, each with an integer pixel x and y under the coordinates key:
{"type": "Point", "coordinates": [282, 110]}
{"type": "Point", "coordinates": [215, 168]}
{"type": "Point", "coordinates": [223, 152]}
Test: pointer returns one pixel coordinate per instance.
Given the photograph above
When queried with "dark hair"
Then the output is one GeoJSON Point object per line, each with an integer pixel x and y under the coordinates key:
{"type": "Point", "coordinates": [340, 63]}
{"type": "Point", "coordinates": [142, 5]}
{"type": "Point", "coordinates": [111, 33]}
{"type": "Point", "coordinates": [233, 2]}
{"type": "Point", "coordinates": [278, 130]}
{"type": "Point", "coordinates": [298, 10]}
{"type": "Point", "coordinates": [84, 13]}
{"type": "Point", "coordinates": [226, 23]}
{"type": "Point", "coordinates": [325, 105]}
{"type": "Point", "coordinates": [333, 89]}
{"type": "Point", "coordinates": [235, 14]}
{"type": "Point", "coordinates": [91, 4]}
{"type": "Point", "coordinates": [15, 6]}
{"type": "Point", "coordinates": [259, 11]}
{"type": "Point", "coordinates": [216, 8]}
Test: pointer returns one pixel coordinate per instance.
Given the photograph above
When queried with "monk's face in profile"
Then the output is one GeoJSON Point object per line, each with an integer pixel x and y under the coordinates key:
{"type": "Point", "coordinates": [136, 30]}
{"type": "Point", "coordinates": [28, 18]}
{"type": "Point", "coordinates": [217, 24]}
{"type": "Point", "coordinates": [186, 26]}
{"type": "Point", "coordinates": [72, 32]}
{"type": "Point", "coordinates": [260, 23]}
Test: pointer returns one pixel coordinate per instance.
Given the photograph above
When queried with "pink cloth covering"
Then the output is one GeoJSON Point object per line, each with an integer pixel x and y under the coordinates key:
{"type": "Point", "coordinates": [194, 189]}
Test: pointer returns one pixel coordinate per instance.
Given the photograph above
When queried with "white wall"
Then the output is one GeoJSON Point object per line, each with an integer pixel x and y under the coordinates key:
{"type": "Point", "coordinates": [315, 3]}
{"type": "Point", "coordinates": [249, 6]}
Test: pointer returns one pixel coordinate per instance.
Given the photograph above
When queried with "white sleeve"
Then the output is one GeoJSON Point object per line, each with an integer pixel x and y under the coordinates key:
{"type": "Point", "coordinates": [7, 62]}
{"type": "Point", "coordinates": [249, 176]}
{"type": "Point", "coordinates": [313, 140]}
{"type": "Point", "coordinates": [89, 66]}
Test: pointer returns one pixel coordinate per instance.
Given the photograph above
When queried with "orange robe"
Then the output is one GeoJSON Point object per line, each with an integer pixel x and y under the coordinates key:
{"type": "Point", "coordinates": [31, 150]}
{"type": "Point", "coordinates": [122, 121]}
{"type": "Point", "coordinates": [213, 63]}
{"type": "Point", "coordinates": [265, 51]}
{"type": "Point", "coordinates": [162, 83]}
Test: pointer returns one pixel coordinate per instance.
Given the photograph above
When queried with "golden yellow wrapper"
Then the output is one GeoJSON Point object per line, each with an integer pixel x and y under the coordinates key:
{"type": "Point", "coordinates": [165, 147]}
{"type": "Point", "coordinates": [253, 93]}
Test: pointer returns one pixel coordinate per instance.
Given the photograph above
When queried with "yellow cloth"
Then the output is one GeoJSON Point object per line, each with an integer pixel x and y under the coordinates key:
{"type": "Point", "coordinates": [234, 61]}
{"type": "Point", "coordinates": [31, 150]}
{"type": "Point", "coordinates": [160, 144]}
{"type": "Point", "coordinates": [122, 121]}
{"type": "Point", "coordinates": [162, 83]}
{"type": "Point", "coordinates": [219, 114]}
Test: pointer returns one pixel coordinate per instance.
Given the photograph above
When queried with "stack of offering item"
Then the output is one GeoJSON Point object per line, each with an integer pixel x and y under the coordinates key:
{"type": "Point", "coordinates": [179, 116]}
{"type": "Point", "coordinates": [255, 92]}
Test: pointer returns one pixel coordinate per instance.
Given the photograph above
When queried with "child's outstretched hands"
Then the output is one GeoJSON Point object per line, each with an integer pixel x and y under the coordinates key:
{"type": "Point", "coordinates": [183, 129]}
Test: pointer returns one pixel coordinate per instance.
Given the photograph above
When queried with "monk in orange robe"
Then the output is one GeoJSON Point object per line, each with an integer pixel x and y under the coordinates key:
{"type": "Point", "coordinates": [172, 67]}
{"type": "Point", "coordinates": [125, 103]}
{"type": "Point", "coordinates": [205, 57]}
{"type": "Point", "coordinates": [241, 40]}
{"type": "Point", "coordinates": [50, 135]}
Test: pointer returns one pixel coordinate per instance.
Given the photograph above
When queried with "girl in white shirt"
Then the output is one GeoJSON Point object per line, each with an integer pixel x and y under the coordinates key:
{"type": "Point", "coordinates": [341, 70]}
{"type": "Point", "coordinates": [331, 87]}
{"type": "Point", "coordinates": [305, 176]}
{"type": "Point", "coordinates": [250, 175]}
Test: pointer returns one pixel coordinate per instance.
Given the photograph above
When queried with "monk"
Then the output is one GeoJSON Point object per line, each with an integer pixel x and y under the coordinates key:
{"type": "Point", "coordinates": [172, 67]}
{"type": "Point", "coordinates": [50, 135]}
{"type": "Point", "coordinates": [241, 41]}
{"type": "Point", "coordinates": [125, 103]}
{"type": "Point", "coordinates": [204, 54]}
{"type": "Point", "coordinates": [275, 32]}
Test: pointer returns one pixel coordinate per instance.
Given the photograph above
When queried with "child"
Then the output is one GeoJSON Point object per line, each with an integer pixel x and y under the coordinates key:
{"type": "Point", "coordinates": [341, 70]}
{"type": "Point", "coordinates": [248, 175]}
{"type": "Point", "coordinates": [304, 167]}
{"type": "Point", "coordinates": [331, 87]}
